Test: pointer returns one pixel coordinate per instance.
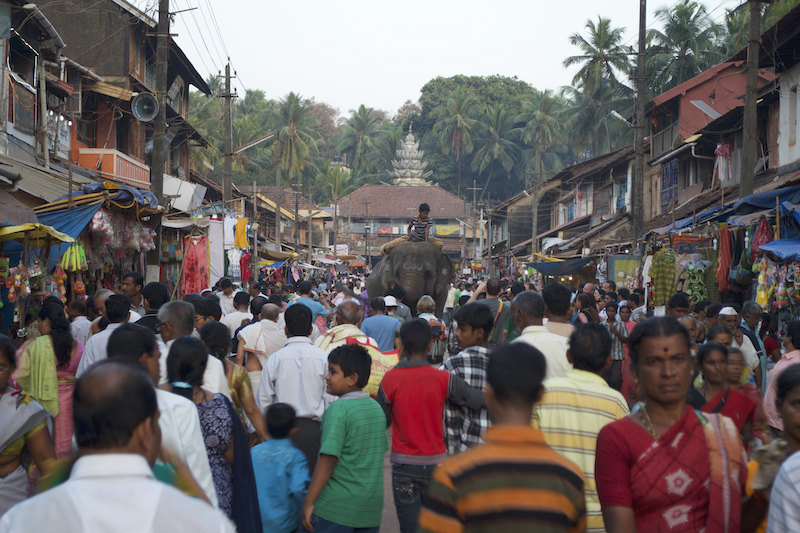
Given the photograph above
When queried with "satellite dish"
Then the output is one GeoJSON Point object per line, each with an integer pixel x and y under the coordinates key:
{"type": "Point", "coordinates": [144, 107]}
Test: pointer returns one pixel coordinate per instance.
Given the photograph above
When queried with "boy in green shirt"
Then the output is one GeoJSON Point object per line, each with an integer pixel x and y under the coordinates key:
{"type": "Point", "coordinates": [346, 490]}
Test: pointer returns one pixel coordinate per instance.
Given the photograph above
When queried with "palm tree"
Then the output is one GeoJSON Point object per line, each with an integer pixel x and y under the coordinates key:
{"type": "Point", "coordinates": [542, 129]}
{"type": "Point", "coordinates": [687, 46]}
{"type": "Point", "coordinates": [456, 125]}
{"type": "Point", "coordinates": [295, 138]}
{"type": "Point", "coordinates": [602, 55]}
{"type": "Point", "coordinates": [361, 137]}
{"type": "Point", "coordinates": [496, 146]}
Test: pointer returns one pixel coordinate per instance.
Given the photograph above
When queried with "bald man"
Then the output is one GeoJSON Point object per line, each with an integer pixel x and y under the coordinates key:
{"type": "Point", "coordinates": [119, 439]}
{"type": "Point", "coordinates": [348, 320]}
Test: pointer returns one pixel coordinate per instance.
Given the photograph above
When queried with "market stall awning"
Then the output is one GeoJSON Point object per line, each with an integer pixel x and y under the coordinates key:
{"type": "Point", "coordinates": [70, 221]}
{"type": "Point", "coordinates": [766, 200]}
{"type": "Point", "coordinates": [37, 234]}
{"type": "Point", "coordinates": [560, 268]}
{"type": "Point", "coordinates": [784, 249]}
{"type": "Point", "coordinates": [270, 264]}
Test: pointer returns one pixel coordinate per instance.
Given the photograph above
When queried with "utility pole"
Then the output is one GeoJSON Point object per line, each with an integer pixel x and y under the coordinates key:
{"type": "Point", "coordinates": [278, 194]}
{"type": "Point", "coordinates": [474, 190]}
{"type": "Point", "coordinates": [227, 193]}
{"type": "Point", "coordinates": [750, 144]}
{"type": "Point", "coordinates": [335, 228]}
{"type": "Point", "coordinates": [255, 225]}
{"type": "Point", "coordinates": [296, 217]}
{"type": "Point", "coordinates": [367, 229]}
{"type": "Point", "coordinates": [159, 160]}
{"type": "Point", "coordinates": [463, 236]}
{"type": "Point", "coordinates": [641, 97]}
{"type": "Point", "coordinates": [535, 184]}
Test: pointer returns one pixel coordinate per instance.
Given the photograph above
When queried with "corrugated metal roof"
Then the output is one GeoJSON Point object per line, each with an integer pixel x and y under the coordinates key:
{"type": "Point", "coordinates": [43, 184]}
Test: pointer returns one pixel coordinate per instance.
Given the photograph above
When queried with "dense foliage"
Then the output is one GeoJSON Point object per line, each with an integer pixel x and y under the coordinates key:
{"type": "Point", "coordinates": [497, 131]}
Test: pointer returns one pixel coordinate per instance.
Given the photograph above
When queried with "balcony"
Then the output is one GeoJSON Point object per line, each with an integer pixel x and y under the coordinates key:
{"type": "Point", "coordinates": [116, 165]}
{"type": "Point", "coordinates": [663, 140]}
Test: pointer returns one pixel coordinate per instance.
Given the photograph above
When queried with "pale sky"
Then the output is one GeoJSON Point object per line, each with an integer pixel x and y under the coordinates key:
{"type": "Point", "coordinates": [380, 53]}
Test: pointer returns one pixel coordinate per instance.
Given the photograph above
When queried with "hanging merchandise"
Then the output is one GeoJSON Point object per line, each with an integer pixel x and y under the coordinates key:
{"type": "Point", "coordinates": [724, 259]}
{"type": "Point", "coordinates": [763, 236]}
{"type": "Point", "coordinates": [722, 164]}
{"type": "Point", "coordinates": [60, 278]}
{"type": "Point", "coordinates": [663, 274]}
{"type": "Point", "coordinates": [80, 289]}
{"type": "Point", "coordinates": [3, 269]}
{"type": "Point", "coordinates": [234, 268]}
{"type": "Point", "coordinates": [244, 266]}
{"type": "Point", "coordinates": [195, 265]}
{"type": "Point", "coordinates": [240, 239]}
{"type": "Point", "coordinates": [229, 228]}
{"type": "Point", "coordinates": [74, 259]}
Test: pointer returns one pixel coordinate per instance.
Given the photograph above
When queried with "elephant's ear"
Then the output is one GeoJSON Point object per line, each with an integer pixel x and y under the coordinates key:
{"type": "Point", "coordinates": [444, 275]}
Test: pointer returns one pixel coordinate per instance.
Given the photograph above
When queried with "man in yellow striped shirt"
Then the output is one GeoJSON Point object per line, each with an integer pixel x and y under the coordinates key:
{"type": "Point", "coordinates": [575, 408]}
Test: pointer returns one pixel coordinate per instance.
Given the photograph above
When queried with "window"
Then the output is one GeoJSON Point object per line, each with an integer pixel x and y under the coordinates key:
{"type": "Point", "coordinates": [622, 189]}
{"type": "Point", "coordinates": [669, 181]}
{"type": "Point", "coordinates": [570, 211]}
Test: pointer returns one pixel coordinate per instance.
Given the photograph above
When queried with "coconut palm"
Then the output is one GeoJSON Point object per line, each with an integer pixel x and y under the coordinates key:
{"type": "Point", "coordinates": [601, 58]}
{"type": "Point", "coordinates": [541, 130]}
{"type": "Point", "coordinates": [687, 45]}
{"type": "Point", "coordinates": [456, 125]}
{"type": "Point", "coordinates": [496, 127]}
{"type": "Point", "coordinates": [361, 137]}
{"type": "Point", "coordinates": [295, 138]}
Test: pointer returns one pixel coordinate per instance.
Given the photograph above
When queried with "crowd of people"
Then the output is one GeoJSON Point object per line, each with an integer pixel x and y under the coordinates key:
{"type": "Point", "coordinates": [509, 409]}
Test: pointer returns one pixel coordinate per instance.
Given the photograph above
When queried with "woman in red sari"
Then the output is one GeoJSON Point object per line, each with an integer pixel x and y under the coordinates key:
{"type": "Point", "coordinates": [734, 378]}
{"type": "Point", "coordinates": [667, 467]}
{"type": "Point", "coordinates": [716, 396]}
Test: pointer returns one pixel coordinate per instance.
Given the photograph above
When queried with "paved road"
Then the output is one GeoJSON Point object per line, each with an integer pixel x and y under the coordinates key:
{"type": "Point", "coordinates": [389, 523]}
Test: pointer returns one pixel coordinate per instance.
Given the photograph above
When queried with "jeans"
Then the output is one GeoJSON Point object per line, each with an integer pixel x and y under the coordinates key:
{"type": "Point", "coordinates": [409, 484]}
{"type": "Point", "coordinates": [324, 526]}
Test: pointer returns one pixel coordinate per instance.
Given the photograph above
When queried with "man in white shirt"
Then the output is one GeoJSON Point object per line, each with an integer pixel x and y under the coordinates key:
{"type": "Point", "coordinates": [295, 375]}
{"type": "Point", "coordinates": [527, 314]}
{"type": "Point", "coordinates": [241, 300]}
{"type": "Point", "coordinates": [259, 341]}
{"type": "Point", "coordinates": [132, 284]}
{"type": "Point", "coordinates": [176, 319]}
{"type": "Point", "coordinates": [178, 419]}
{"type": "Point", "coordinates": [79, 324]}
{"type": "Point", "coordinates": [449, 304]}
{"type": "Point", "coordinates": [111, 487]}
{"type": "Point", "coordinates": [117, 311]}
{"type": "Point", "coordinates": [729, 317]}
{"type": "Point", "coordinates": [226, 296]}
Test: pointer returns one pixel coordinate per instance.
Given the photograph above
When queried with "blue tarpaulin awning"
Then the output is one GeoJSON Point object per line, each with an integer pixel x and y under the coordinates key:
{"type": "Point", "coordinates": [766, 200]}
{"type": "Point", "coordinates": [70, 221]}
{"type": "Point", "coordinates": [785, 249]}
{"type": "Point", "coordinates": [560, 268]}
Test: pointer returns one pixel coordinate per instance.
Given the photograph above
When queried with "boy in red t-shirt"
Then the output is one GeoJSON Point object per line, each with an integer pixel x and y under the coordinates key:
{"type": "Point", "coordinates": [413, 395]}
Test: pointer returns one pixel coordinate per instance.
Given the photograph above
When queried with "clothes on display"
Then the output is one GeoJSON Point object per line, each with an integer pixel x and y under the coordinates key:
{"type": "Point", "coordinates": [240, 237]}
{"type": "Point", "coordinates": [234, 268]}
{"type": "Point", "coordinates": [195, 271]}
{"type": "Point", "coordinates": [244, 266]}
{"type": "Point", "coordinates": [663, 274]}
{"type": "Point", "coordinates": [230, 231]}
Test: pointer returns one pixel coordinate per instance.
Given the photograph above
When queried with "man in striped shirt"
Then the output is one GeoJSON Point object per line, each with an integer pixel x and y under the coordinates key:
{"type": "Point", "coordinates": [515, 481]}
{"type": "Point", "coordinates": [576, 407]}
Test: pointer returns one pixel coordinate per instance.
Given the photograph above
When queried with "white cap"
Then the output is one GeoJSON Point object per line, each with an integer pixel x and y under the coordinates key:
{"type": "Point", "coordinates": [390, 301]}
{"type": "Point", "coordinates": [728, 311]}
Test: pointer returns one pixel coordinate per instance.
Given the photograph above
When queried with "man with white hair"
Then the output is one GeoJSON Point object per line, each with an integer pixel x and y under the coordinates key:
{"type": "Point", "coordinates": [348, 320]}
{"type": "Point", "coordinates": [729, 317]}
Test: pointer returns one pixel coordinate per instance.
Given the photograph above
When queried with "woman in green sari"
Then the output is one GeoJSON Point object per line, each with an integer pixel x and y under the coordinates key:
{"type": "Point", "coordinates": [23, 433]}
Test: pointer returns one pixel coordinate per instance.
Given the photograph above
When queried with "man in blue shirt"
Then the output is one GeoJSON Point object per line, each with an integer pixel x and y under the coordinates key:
{"type": "Point", "coordinates": [380, 326]}
{"type": "Point", "coordinates": [317, 309]}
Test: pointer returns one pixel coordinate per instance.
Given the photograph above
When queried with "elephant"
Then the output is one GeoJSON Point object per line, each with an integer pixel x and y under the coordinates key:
{"type": "Point", "coordinates": [420, 268]}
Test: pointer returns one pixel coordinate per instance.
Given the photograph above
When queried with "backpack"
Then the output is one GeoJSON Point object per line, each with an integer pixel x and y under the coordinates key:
{"type": "Point", "coordinates": [438, 342]}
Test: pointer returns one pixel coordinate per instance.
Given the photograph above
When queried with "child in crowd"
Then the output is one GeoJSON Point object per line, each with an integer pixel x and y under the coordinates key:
{"type": "Point", "coordinates": [281, 472]}
{"type": "Point", "coordinates": [412, 395]}
{"type": "Point", "coordinates": [418, 231]}
{"type": "Point", "coordinates": [465, 427]}
{"type": "Point", "coordinates": [514, 482]}
{"type": "Point", "coordinates": [619, 338]}
{"type": "Point", "coordinates": [346, 490]}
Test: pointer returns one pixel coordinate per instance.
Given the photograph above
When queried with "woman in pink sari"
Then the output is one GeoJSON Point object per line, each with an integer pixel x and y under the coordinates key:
{"type": "Point", "coordinates": [667, 467]}
{"type": "Point", "coordinates": [47, 372]}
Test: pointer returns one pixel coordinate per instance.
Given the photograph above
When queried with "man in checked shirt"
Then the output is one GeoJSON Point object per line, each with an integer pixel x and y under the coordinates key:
{"type": "Point", "coordinates": [465, 427]}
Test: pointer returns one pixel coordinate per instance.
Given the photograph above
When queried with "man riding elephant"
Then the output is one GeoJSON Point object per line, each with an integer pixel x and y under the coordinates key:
{"type": "Point", "coordinates": [418, 231]}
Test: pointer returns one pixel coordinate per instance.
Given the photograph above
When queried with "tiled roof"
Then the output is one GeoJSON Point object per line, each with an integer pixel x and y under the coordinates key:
{"type": "Point", "coordinates": [396, 201]}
